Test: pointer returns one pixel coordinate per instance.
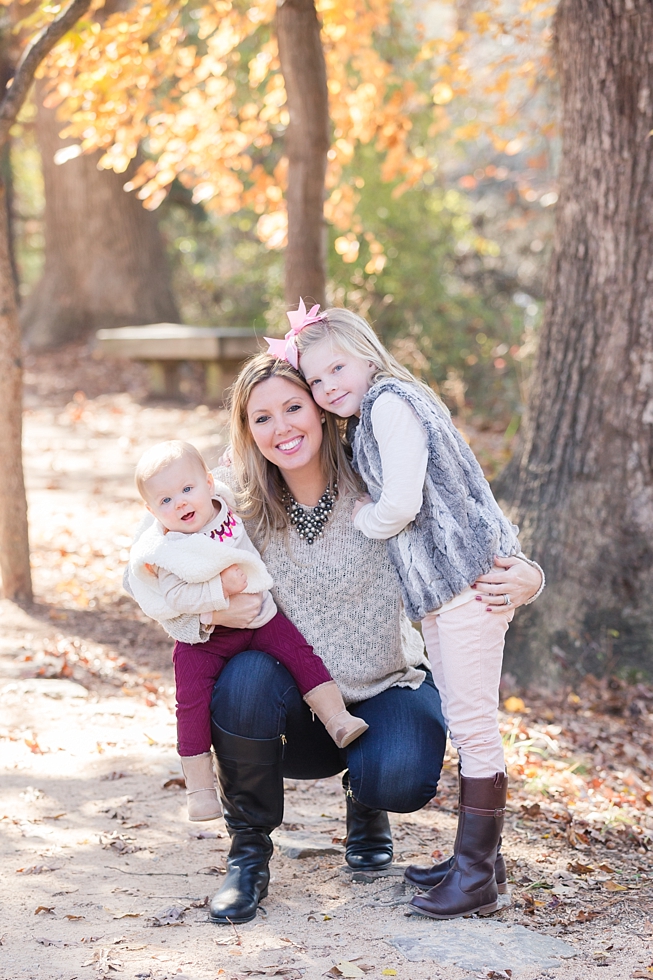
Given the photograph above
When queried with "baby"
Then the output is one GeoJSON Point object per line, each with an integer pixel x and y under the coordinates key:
{"type": "Point", "coordinates": [190, 560]}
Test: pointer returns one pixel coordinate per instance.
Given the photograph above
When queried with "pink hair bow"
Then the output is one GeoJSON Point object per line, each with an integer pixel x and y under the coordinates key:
{"type": "Point", "coordinates": [286, 349]}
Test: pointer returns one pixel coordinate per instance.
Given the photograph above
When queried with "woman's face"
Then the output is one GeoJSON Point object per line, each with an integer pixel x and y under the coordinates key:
{"type": "Point", "coordinates": [286, 424]}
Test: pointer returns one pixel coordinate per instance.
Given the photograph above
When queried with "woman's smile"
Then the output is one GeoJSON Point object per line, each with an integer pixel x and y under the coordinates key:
{"type": "Point", "coordinates": [291, 445]}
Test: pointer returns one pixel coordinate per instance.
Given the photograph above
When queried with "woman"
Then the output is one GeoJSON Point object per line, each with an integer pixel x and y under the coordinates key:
{"type": "Point", "coordinates": [340, 590]}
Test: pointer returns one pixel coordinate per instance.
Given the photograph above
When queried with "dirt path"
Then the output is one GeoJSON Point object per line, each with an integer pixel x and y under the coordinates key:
{"type": "Point", "coordinates": [103, 876]}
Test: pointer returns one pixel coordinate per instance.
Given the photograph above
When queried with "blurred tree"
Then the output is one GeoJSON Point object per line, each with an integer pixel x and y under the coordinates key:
{"type": "Point", "coordinates": [306, 145]}
{"type": "Point", "coordinates": [430, 290]}
{"type": "Point", "coordinates": [232, 100]}
{"type": "Point", "coordinates": [105, 261]}
{"type": "Point", "coordinates": [581, 486]}
{"type": "Point", "coordinates": [14, 539]}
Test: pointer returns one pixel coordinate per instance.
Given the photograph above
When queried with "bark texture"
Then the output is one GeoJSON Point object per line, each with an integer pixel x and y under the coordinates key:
{"type": "Point", "coordinates": [306, 146]}
{"type": "Point", "coordinates": [105, 262]}
{"type": "Point", "coordinates": [582, 485]}
{"type": "Point", "coordinates": [14, 545]}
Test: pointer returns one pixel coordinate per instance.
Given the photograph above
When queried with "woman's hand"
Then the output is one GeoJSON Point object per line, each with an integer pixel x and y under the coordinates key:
{"type": "Point", "coordinates": [510, 577]}
{"type": "Point", "coordinates": [242, 610]}
{"type": "Point", "coordinates": [360, 503]}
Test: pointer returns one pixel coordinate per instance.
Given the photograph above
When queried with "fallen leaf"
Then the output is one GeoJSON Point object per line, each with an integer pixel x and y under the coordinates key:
{"type": "Point", "coordinates": [177, 782]}
{"type": "Point", "coordinates": [388, 973]}
{"type": "Point", "coordinates": [36, 869]}
{"type": "Point", "coordinates": [172, 916]}
{"type": "Point", "coordinates": [580, 869]}
{"type": "Point", "coordinates": [564, 889]}
{"type": "Point", "coordinates": [33, 746]}
{"type": "Point", "coordinates": [606, 868]}
{"type": "Point", "coordinates": [534, 810]}
{"type": "Point", "coordinates": [647, 973]}
{"type": "Point", "coordinates": [73, 917]}
{"type": "Point", "coordinates": [150, 740]}
{"type": "Point", "coordinates": [212, 870]}
{"type": "Point", "coordinates": [586, 915]}
{"type": "Point", "coordinates": [326, 918]}
{"type": "Point", "coordinates": [127, 915]}
{"type": "Point", "coordinates": [514, 705]}
{"type": "Point", "coordinates": [46, 941]}
{"type": "Point", "coordinates": [614, 886]}
{"type": "Point", "coordinates": [102, 959]}
{"type": "Point", "coordinates": [44, 908]}
{"type": "Point", "coordinates": [348, 969]}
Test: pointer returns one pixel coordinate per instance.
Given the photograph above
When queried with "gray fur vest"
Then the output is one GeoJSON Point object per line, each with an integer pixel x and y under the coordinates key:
{"type": "Point", "coordinates": [460, 527]}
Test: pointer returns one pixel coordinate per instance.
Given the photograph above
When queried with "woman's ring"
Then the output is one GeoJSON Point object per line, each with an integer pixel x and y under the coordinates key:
{"type": "Point", "coordinates": [506, 600]}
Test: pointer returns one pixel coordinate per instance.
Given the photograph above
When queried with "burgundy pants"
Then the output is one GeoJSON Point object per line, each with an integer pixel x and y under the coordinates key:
{"type": "Point", "coordinates": [198, 665]}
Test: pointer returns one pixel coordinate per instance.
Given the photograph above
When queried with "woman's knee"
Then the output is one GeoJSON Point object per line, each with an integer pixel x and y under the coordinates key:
{"type": "Point", "coordinates": [248, 696]}
{"type": "Point", "coordinates": [400, 790]}
{"type": "Point", "coordinates": [396, 764]}
{"type": "Point", "coordinates": [401, 781]}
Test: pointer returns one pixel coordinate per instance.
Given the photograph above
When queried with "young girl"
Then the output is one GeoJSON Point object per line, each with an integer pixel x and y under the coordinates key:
{"type": "Point", "coordinates": [431, 502]}
{"type": "Point", "coordinates": [190, 560]}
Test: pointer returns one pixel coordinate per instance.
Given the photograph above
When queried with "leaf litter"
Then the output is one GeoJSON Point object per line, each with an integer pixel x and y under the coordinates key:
{"type": "Point", "coordinates": [581, 800]}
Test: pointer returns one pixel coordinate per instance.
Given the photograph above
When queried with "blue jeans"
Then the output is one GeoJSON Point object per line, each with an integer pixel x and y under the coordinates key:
{"type": "Point", "coordinates": [395, 765]}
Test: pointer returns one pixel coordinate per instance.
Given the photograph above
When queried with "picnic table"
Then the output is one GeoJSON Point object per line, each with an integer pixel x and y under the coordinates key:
{"type": "Point", "coordinates": [164, 347]}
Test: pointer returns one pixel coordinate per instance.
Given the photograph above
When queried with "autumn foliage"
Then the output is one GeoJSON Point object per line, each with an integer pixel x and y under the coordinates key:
{"type": "Point", "coordinates": [199, 89]}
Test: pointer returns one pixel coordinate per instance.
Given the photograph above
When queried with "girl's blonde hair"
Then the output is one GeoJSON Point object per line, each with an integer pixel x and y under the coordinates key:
{"type": "Point", "coordinates": [351, 334]}
{"type": "Point", "coordinates": [261, 483]}
{"type": "Point", "coordinates": [157, 457]}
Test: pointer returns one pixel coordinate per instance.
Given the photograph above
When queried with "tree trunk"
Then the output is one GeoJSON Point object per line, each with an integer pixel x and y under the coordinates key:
{"type": "Point", "coordinates": [306, 146]}
{"type": "Point", "coordinates": [582, 485]}
{"type": "Point", "coordinates": [14, 546]}
{"type": "Point", "coordinates": [105, 262]}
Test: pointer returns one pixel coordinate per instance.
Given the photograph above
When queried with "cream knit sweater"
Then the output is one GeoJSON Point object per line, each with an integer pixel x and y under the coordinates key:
{"type": "Point", "coordinates": [342, 593]}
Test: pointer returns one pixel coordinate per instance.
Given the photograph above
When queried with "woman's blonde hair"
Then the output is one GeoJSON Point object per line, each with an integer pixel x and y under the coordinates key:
{"type": "Point", "coordinates": [351, 334]}
{"type": "Point", "coordinates": [261, 483]}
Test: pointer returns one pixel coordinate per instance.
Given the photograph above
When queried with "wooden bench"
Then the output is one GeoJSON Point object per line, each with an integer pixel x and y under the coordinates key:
{"type": "Point", "coordinates": [165, 346]}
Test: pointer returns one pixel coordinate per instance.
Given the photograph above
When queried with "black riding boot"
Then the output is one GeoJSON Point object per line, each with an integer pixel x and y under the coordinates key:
{"type": "Point", "coordinates": [251, 784]}
{"type": "Point", "coordinates": [369, 840]}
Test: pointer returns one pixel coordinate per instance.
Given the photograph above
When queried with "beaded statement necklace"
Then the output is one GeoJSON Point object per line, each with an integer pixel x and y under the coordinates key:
{"type": "Point", "coordinates": [309, 523]}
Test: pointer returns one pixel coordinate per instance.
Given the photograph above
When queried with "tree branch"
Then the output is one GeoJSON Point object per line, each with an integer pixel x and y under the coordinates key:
{"type": "Point", "coordinates": [32, 57]}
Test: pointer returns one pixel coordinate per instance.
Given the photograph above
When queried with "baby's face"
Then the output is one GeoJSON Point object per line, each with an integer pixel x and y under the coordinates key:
{"type": "Point", "coordinates": [180, 496]}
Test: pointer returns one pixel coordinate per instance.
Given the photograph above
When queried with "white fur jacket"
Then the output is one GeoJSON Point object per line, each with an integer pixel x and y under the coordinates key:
{"type": "Point", "coordinates": [172, 574]}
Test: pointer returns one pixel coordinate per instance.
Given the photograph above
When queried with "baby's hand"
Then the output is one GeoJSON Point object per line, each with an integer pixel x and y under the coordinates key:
{"type": "Point", "coordinates": [361, 502]}
{"type": "Point", "coordinates": [234, 580]}
{"type": "Point", "coordinates": [225, 459]}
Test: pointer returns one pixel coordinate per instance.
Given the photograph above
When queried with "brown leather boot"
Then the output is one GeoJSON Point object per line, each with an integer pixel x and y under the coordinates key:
{"type": "Point", "coordinates": [469, 886]}
{"type": "Point", "coordinates": [427, 877]}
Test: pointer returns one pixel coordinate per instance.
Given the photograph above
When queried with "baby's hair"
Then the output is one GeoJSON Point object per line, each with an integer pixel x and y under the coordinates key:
{"type": "Point", "coordinates": [156, 458]}
{"type": "Point", "coordinates": [352, 334]}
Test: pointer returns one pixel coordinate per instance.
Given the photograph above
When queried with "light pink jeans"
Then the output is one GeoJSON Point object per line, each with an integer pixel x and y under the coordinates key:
{"type": "Point", "coordinates": [465, 648]}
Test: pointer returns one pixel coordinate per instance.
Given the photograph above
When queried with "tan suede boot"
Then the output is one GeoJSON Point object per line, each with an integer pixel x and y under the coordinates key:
{"type": "Point", "coordinates": [203, 803]}
{"type": "Point", "coordinates": [326, 702]}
